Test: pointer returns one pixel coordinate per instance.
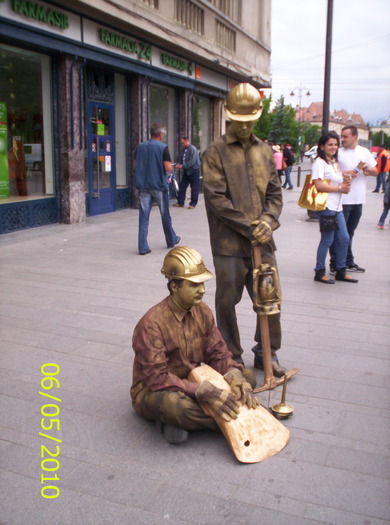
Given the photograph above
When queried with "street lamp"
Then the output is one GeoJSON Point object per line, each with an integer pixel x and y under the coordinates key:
{"type": "Point", "coordinates": [300, 89]}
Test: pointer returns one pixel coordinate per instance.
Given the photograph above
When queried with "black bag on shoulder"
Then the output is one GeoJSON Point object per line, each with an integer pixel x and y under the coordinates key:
{"type": "Point", "coordinates": [328, 223]}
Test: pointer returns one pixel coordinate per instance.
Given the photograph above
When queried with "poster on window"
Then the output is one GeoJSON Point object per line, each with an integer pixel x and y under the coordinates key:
{"type": "Point", "coordinates": [107, 166]}
{"type": "Point", "coordinates": [4, 179]}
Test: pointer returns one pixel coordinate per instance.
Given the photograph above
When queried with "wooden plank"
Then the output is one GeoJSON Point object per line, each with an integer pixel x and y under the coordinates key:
{"type": "Point", "coordinates": [255, 435]}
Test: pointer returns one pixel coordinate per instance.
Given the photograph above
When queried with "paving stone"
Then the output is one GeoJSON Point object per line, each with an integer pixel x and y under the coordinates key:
{"type": "Point", "coordinates": [58, 305]}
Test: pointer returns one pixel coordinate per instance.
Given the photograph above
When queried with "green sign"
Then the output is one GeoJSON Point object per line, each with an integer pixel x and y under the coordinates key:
{"type": "Point", "coordinates": [41, 13]}
{"type": "Point", "coordinates": [177, 63]}
{"type": "Point", "coordinates": [110, 38]}
{"type": "Point", "coordinates": [4, 178]}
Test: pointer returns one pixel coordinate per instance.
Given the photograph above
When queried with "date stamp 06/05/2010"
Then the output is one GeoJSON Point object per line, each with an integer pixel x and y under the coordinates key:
{"type": "Point", "coordinates": [50, 422]}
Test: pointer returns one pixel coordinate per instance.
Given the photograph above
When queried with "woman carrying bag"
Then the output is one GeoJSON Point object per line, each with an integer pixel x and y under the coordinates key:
{"type": "Point", "coordinates": [332, 222]}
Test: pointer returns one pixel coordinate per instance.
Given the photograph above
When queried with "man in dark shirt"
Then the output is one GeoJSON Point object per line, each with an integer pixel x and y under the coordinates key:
{"type": "Point", "coordinates": [151, 164]}
{"type": "Point", "coordinates": [243, 202]}
{"type": "Point", "coordinates": [288, 156]}
{"type": "Point", "coordinates": [172, 338]}
{"type": "Point", "coordinates": [190, 163]}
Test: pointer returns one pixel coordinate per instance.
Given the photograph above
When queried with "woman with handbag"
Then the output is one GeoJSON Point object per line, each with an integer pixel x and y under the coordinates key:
{"type": "Point", "coordinates": [332, 222]}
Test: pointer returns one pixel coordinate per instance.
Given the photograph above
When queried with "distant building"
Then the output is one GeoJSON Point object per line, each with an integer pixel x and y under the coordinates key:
{"type": "Point", "coordinates": [337, 119]}
{"type": "Point", "coordinates": [383, 127]}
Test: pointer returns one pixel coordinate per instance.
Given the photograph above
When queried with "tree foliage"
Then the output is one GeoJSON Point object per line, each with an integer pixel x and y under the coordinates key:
{"type": "Point", "coordinates": [280, 126]}
{"type": "Point", "coordinates": [378, 138]}
{"type": "Point", "coordinates": [283, 123]}
{"type": "Point", "coordinates": [263, 125]}
{"type": "Point", "coordinates": [311, 135]}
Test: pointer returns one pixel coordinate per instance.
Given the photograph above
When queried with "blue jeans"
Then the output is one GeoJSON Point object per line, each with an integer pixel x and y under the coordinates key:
{"type": "Point", "coordinates": [380, 181]}
{"type": "Point", "coordinates": [146, 198]}
{"type": "Point", "coordinates": [338, 239]}
{"type": "Point", "coordinates": [191, 179]}
{"type": "Point", "coordinates": [352, 214]}
{"type": "Point", "coordinates": [288, 178]}
{"type": "Point", "coordinates": [386, 205]}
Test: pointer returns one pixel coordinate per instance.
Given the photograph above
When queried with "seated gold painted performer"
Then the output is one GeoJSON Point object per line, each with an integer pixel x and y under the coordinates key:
{"type": "Point", "coordinates": [172, 338]}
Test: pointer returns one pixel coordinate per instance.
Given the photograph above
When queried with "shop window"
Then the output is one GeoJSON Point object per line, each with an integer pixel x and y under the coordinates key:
{"type": "Point", "coordinates": [101, 86]}
{"type": "Point", "coordinates": [26, 162]}
{"type": "Point", "coordinates": [163, 111]}
{"type": "Point", "coordinates": [201, 122]}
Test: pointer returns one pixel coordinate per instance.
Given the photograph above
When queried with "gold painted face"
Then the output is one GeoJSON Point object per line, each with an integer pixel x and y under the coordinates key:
{"type": "Point", "coordinates": [242, 130]}
{"type": "Point", "coordinates": [188, 294]}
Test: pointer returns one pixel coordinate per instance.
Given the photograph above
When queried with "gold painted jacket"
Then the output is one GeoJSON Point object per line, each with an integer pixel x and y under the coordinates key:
{"type": "Point", "coordinates": [240, 186]}
{"type": "Point", "coordinates": [169, 342]}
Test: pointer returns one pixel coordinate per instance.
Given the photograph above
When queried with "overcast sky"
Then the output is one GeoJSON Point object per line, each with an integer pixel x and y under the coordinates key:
{"type": "Point", "coordinates": [360, 78]}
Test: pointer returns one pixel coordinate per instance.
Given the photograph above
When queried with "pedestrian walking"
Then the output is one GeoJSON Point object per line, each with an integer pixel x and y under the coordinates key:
{"type": "Point", "coordinates": [152, 163]}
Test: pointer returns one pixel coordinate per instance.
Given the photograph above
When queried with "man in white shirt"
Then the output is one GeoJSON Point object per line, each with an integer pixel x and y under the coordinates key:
{"type": "Point", "coordinates": [353, 157]}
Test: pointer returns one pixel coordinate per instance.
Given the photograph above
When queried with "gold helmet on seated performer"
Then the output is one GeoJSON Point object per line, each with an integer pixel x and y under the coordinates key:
{"type": "Point", "coordinates": [185, 263]}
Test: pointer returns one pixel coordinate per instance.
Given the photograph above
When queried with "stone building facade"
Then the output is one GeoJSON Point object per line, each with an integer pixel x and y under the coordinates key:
{"type": "Point", "coordinates": [82, 81]}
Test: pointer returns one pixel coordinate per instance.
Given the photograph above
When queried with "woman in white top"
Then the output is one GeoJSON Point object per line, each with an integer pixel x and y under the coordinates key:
{"type": "Point", "coordinates": [325, 168]}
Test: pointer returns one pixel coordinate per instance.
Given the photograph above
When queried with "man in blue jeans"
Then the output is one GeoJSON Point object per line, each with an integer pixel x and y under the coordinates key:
{"type": "Point", "coordinates": [151, 164]}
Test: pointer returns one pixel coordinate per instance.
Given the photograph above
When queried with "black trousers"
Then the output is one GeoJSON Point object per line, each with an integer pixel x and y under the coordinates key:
{"type": "Point", "coordinates": [233, 274]}
{"type": "Point", "coordinates": [193, 180]}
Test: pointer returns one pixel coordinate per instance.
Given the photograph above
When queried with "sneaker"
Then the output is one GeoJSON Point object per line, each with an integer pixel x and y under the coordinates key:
{"type": "Point", "coordinates": [355, 268]}
{"type": "Point", "coordinates": [172, 434]}
{"type": "Point", "coordinates": [381, 227]}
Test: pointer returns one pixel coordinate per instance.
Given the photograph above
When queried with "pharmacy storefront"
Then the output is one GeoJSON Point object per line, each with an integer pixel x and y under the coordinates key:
{"type": "Point", "coordinates": [76, 97]}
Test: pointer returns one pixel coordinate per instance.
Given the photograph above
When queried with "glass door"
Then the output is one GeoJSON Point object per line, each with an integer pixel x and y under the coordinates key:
{"type": "Point", "coordinates": [101, 161]}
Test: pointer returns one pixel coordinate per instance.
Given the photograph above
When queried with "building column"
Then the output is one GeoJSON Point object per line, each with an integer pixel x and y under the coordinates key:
{"type": "Point", "coordinates": [218, 127]}
{"type": "Point", "coordinates": [185, 113]}
{"type": "Point", "coordinates": [71, 140]}
{"type": "Point", "coordinates": [138, 125]}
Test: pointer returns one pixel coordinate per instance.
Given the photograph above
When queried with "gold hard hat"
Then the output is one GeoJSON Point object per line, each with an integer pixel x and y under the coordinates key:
{"type": "Point", "coordinates": [243, 103]}
{"type": "Point", "coordinates": [185, 263]}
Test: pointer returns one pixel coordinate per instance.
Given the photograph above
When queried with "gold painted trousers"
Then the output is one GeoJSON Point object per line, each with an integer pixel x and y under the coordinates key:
{"type": "Point", "coordinates": [233, 274]}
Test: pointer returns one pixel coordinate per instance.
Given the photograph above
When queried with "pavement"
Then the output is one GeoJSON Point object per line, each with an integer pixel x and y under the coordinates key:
{"type": "Point", "coordinates": [72, 294]}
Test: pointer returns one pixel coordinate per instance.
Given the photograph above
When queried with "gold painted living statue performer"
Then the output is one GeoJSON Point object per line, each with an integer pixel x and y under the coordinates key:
{"type": "Point", "coordinates": [174, 337]}
{"type": "Point", "coordinates": [243, 201]}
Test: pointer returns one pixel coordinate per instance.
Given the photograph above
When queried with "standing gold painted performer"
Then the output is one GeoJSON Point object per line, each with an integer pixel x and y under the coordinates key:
{"type": "Point", "coordinates": [174, 337]}
{"type": "Point", "coordinates": [243, 202]}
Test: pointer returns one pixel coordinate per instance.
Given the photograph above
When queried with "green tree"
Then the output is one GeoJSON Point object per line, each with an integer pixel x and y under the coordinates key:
{"type": "Point", "coordinates": [263, 125]}
{"type": "Point", "coordinates": [283, 126]}
{"type": "Point", "coordinates": [379, 138]}
{"type": "Point", "coordinates": [311, 135]}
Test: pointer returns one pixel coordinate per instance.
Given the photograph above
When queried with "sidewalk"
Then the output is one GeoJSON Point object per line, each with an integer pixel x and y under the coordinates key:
{"type": "Point", "coordinates": [71, 295]}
